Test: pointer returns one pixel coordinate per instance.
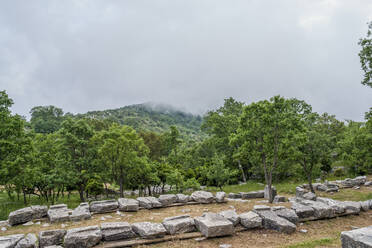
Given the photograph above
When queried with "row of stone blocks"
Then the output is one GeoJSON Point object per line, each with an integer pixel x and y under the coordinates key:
{"type": "Point", "coordinates": [258, 194]}
{"type": "Point", "coordinates": [209, 224]}
{"type": "Point", "coordinates": [335, 185]}
{"type": "Point", "coordinates": [60, 212]}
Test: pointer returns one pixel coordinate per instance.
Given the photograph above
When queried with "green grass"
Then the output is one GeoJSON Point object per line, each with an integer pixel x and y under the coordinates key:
{"type": "Point", "coordinates": [314, 243]}
{"type": "Point", "coordinates": [282, 187]}
{"type": "Point", "coordinates": [8, 205]}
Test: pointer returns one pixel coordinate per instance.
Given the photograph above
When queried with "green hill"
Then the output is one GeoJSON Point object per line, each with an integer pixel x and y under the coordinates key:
{"type": "Point", "coordinates": [153, 117]}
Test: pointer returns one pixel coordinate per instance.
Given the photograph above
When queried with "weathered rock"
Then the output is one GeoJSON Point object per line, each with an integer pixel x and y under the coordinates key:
{"type": "Point", "coordinates": [10, 241]}
{"type": "Point", "coordinates": [179, 224]}
{"type": "Point", "coordinates": [369, 183]}
{"type": "Point", "coordinates": [358, 238]}
{"type": "Point", "coordinates": [234, 195]}
{"type": "Point", "coordinates": [252, 194]}
{"type": "Point", "coordinates": [364, 205]}
{"type": "Point", "coordinates": [83, 237]}
{"type": "Point", "coordinates": [202, 196]}
{"type": "Point", "coordinates": [39, 212]}
{"type": "Point", "coordinates": [128, 204]}
{"type": "Point", "coordinates": [272, 221]}
{"type": "Point", "coordinates": [116, 231]}
{"type": "Point", "coordinates": [58, 213]}
{"type": "Point", "coordinates": [54, 246]}
{"type": "Point", "coordinates": [149, 202]}
{"type": "Point", "coordinates": [321, 210]}
{"type": "Point", "coordinates": [231, 215]}
{"type": "Point", "coordinates": [58, 206]}
{"type": "Point", "coordinates": [144, 202]}
{"type": "Point", "coordinates": [181, 198]}
{"type": "Point", "coordinates": [361, 180]}
{"type": "Point", "coordinates": [266, 192]}
{"type": "Point", "coordinates": [250, 220]}
{"type": "Point", "coordinates": [220, 197]}
{"type": "Point", "coordinates": [322, 187]}
{"type": "Point", "coordinates": [351, 207]}
{"type": "Point", "coordinates": [167, 199]}
{"type": "Point", "coordinates": [302, 211]}
{"type": "Point", "coordinates": [81, 213]}
{"type": "Point", "coordinates": [149, 230]}
{"type": "Point", "coordinates": [309, 196]}
{"type": "Point", "coordinates": [214, 225]}
{"type": "Point", "coordinates": [30, 241]}
{"type": "Point", "coordinates": [51, 237]}
{"type": "Point", "coordinates": [104, 206]}
{"type": "Point", "coordinates": [20, 216]}
{"type": "Point", "coordinates": [336, 206]}
{"type": "Point", "coordinates": [300, 192]}
{"type": "Point", "coordinates": [279, 198]}
{"type": "Point", "coordinates": [288, 214]}
{"type": "Point", "coordinates": [261, 207]}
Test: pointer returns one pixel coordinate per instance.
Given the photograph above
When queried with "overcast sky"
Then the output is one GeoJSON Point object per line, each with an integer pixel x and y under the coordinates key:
{"type": "Point", "coordinates": [95, 55]}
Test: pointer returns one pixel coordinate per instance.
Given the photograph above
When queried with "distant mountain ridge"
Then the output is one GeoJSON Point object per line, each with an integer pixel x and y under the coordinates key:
{"type": "Point", "coordinates": [153, 117]}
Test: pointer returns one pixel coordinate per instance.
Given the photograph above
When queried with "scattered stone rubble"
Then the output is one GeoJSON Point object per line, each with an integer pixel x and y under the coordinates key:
{"type": "Point", "coordinates": [334, 186]}
{"type": "Point", "coordinates": [209, 224]}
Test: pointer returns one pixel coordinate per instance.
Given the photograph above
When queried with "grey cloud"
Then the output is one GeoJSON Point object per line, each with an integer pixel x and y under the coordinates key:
{"type": "Point", "coordinates": [89, 55]}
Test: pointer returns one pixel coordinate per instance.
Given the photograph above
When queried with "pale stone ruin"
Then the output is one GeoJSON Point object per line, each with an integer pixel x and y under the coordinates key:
{"type": "Point", "coordinates": [304, 207]}
{"type": "Point", "coordinates": [60, 212]}
{"type": "Point", "coordinates": [209, 225]}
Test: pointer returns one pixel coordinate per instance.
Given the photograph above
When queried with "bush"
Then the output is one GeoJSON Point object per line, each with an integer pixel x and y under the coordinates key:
{"type": "Point", "coordinates": [94, 187]}
{"type": "Point", "coordinates": [192, 183]}
{"type": "Point", "coordinates": [339, 172]}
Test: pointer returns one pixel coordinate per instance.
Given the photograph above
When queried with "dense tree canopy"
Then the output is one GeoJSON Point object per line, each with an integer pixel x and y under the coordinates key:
{"type": "Point", "coordinates": [266, 141]}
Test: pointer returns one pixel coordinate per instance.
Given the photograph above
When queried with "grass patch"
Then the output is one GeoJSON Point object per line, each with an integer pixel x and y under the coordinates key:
{"type": "Point", "coordinates": [8, 205]}
{"type": "Point", "coordinates": [282, 187]}
{"type": "Point", "coordinates": [313, 243]}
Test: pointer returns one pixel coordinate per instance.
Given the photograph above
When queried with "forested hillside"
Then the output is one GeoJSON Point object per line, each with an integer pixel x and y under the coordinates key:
{"type": "Point", "coordinates": [152, 117]}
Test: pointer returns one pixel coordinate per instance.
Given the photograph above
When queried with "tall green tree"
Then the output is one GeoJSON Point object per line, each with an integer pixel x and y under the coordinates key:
{"type": "Point", "coordinates": [11, 133]}
{"type": "Point", "coordinates": [121, 150]}
{"type": "Point", "coordinates": [222, 125]}
{"type": "Point", "coordinates": [311, 145]}
{"type": "Point", "coordinates": [75, 147]}
{"type": "Point", "coordinates": [267, 128]}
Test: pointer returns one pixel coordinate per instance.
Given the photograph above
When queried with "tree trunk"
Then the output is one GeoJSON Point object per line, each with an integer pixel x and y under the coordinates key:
{"type": "Point", "coordinates": [106, 189]}
{"type": "Point", "coordinates": [149, 189]}
{"type": "Point", "coordinates": [121, 186]}
{"type": "Point", "coordinates": [81, 193]}
{"type": "Point", "coordinates": [24, 197]}
{"type": "Point", "coordinates": [309, 179]}
{"type": "Point", "coordinates": [242, 170]}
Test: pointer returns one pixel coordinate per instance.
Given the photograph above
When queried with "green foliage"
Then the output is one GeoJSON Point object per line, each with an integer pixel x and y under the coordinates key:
{"type": "Point", "coordinates": [94, 186]}
{"type": "Point", "coordinates": [218, 174]}
{"type": "Point", "coordinates": [76, 151]}
{"type": "Point", "coordinates": [46, 119]}
{"type": "Point", "coordinates": [175, 178]}
{"type": "Point", "coordinates": [122, 150]}
{"type": "Point", "coordinates": [192, 183]}
{"type": "Point", "coordinates": [365, 56]}
{"type": "Point", "coordinates": [267, 130]}
{"type": "Point", "coordinates": [146, 117]}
